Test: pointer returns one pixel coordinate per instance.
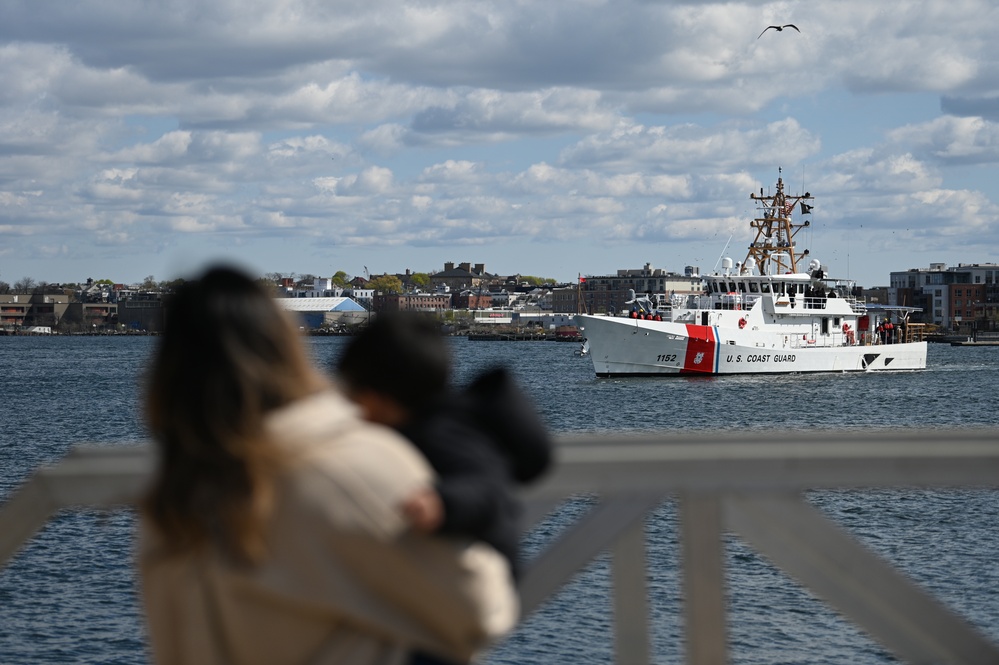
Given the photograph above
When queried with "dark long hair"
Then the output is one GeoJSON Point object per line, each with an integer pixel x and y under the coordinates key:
{"type": "Point", "coordinates": [228, 356]}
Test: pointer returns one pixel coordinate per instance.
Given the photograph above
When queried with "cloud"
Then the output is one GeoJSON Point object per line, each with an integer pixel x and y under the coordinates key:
{"type": "Point", "coordinates": [986, 106]}
{"type": "Point", "coordinates": [952, 140]}
{"type": "Point", "coordinates": [603, 126]}
{"type": "Point", "coordinates": [681, 147]}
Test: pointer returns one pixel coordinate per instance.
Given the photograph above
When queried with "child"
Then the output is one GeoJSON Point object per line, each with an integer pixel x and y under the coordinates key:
{"type": "Point", "coordinates": [481, 441]}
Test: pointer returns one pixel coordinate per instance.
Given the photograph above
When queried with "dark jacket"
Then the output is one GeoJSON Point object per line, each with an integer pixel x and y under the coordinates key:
{"type": "Point", "coordinates": [483, 442]}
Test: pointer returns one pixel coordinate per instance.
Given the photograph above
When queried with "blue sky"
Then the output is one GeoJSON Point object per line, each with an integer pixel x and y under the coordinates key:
{"type": "Point", "coordinates": [550, 139]}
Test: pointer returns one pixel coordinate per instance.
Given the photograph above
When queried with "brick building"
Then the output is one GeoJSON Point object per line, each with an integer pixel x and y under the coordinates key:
{"type": "Point", "coordinates": [962, 297]}
{"type": "Point", "coordinates": [602, 294]}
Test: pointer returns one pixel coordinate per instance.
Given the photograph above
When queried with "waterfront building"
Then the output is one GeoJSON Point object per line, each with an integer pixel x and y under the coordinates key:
{"type": "Point", "coordinates": [19, 310]}
{"type": "Point", "coordinates": [412, 302]}
{"type": "Point", "coordinates": [91, 315]}
{"type": "Point", "coordinates": [963, 297]}
{"type": "Point", "coordinates": [876, 295]}
{"type": "Point", "coordinates": [362, 296]}
{"type": "Point", "coordinates": [321, 287]}
{"type": "Point", "coordinates": [141, 311]}
{"type": "Point", "coordinates": [322, 312]}
{"type": "Point", "coordinates": [604, 294]}
{"type": "Point", "coordinates": [13, 310]}
{"type": "Point", "coordinates": [473, 299]}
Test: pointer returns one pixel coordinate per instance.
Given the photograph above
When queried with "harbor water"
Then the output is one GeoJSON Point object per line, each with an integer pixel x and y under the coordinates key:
{"type": "Point", "coordinates": [70, 595]}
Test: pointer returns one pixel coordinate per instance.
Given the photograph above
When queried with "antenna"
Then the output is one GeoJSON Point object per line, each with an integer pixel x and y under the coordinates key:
{"type": "Point", "coordinates": [722, 253]}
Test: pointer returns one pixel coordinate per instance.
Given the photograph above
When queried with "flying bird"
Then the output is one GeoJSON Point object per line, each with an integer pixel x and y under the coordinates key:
{"type": "Point", "coordinates": [779, 28]}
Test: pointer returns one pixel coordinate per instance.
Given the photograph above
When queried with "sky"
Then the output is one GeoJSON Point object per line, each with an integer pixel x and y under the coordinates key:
{"type": "Point", "coordinates": [553, 139]}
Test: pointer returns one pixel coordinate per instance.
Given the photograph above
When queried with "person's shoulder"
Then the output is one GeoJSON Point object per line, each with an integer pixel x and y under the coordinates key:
{"type": "Point", "coordinates": [326, 431]}
{"type": "Point", "coordinates": [351, 472]}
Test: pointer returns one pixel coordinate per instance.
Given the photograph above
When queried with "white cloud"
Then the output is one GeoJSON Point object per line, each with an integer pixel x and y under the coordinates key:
{"type": "Point", "coordinates": [483, 124]}
{"type": "Point", "coordinates": [950, 139]}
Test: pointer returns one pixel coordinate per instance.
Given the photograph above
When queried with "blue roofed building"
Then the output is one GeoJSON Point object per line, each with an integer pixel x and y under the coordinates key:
{"type": "Point", "coordinates": [322, 312]}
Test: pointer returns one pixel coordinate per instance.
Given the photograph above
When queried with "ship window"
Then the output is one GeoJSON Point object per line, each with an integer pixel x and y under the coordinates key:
{"type": "Point", "coordinates": [742, 287]}
{"type": "Point", "coordinates": [753, 287]}
{"type": "Point", "coordinates": [731, 287]}
{"type": "Point", "coordinates": [765, 287]}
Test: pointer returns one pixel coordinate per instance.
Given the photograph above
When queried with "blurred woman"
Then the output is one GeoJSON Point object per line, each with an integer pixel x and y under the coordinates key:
{"type": "Point", "coordinates": [272, 532]}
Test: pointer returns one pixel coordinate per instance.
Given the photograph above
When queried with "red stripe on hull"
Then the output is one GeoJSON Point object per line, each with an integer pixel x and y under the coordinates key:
{"type": "Point", "coordinates": [700, 357]}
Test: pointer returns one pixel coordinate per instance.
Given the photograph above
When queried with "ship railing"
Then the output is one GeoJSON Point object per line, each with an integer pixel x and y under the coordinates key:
{"type": "Point", "coordinates": [822, 302]}
{"type": "Point", "coordinates": [858, 305]}
{"type": "Point", "coordinates": [803, 341]}
{"type": "Point", "coordinates": [752, 486]}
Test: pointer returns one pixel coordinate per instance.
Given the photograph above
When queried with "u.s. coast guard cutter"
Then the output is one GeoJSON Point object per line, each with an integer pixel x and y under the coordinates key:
{"type": "Point", "coordinates": [759, 317]}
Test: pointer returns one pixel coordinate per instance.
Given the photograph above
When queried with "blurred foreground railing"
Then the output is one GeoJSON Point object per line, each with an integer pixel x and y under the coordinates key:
{"type": "Point", "coordinates": [749, 485]}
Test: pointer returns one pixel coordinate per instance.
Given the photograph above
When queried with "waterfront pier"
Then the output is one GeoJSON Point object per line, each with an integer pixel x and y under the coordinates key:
{"type": "Point", "coordinates": [748, 485]}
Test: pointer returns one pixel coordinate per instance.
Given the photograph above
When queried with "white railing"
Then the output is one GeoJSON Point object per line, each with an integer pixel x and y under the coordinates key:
{"type": "Point", "coordinates": [749, 485]}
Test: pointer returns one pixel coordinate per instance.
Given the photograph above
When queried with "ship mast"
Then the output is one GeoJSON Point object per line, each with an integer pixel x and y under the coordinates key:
{"type": "Point", "coordinates": [774, 250]}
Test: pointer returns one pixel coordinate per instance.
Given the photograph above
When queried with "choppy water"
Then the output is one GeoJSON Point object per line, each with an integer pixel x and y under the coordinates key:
{"type": "Point", "coordinates": [70, 597]}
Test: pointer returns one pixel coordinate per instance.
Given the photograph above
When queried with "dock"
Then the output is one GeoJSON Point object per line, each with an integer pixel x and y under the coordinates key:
{"type": "Point", "coordinates": [980, 339]}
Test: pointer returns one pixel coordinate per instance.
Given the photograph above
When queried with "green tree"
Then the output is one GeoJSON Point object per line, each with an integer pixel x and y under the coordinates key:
{"type": "Point", "coordinates": [536, 281]}
{"type": "Point", "coordinates": [420, 280]}
{"type": "Point", "coordinates": [340, 278]}
{"type": "Point", "coordinates": [386, 284]}
{"type": "Point", "coordinates": [172, 285]}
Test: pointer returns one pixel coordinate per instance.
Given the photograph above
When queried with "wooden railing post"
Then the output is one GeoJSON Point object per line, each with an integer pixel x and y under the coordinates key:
{"type": "Point", "coordinates": [632, 645]}
{"type": "Point", "coordinates": [703, 579]}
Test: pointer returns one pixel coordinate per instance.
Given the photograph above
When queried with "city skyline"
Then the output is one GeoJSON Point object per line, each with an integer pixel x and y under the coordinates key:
{"type": "Point", "coordinates": [548, 139]}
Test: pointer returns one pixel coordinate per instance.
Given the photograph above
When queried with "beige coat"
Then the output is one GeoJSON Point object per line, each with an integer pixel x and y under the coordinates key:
{"type": "Point", "coordinates": [345, 581]}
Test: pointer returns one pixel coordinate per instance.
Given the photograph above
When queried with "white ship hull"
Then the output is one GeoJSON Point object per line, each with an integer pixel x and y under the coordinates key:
{"type": "Point", "coordinates": [620, 346]}
{"type": "Point", "coordinates": [760, 316]}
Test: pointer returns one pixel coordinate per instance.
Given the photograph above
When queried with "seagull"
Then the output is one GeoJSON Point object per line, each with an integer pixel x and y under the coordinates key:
{"type": "Point", "coordinates": [778, 28]}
